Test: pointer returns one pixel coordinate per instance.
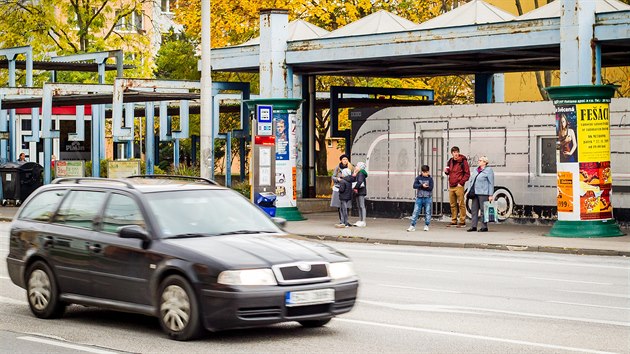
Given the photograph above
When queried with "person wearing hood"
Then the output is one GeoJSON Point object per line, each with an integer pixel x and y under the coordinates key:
{"type": "Point", "coordinates": [360, 190]}
{"type": "Point", "coordinates": [458, 172]}
{"type": "Point", "coordinates": [344, 162]}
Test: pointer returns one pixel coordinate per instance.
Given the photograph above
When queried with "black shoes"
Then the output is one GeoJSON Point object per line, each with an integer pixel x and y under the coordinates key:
{"type": "Point", "coordinates": [473, 229]}
{"type": "Point", "coordinates": [483, 229]}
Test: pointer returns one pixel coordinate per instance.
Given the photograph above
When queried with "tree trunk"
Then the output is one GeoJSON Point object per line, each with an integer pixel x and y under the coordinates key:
{"type": "Point", "coordinates": [322, 125]}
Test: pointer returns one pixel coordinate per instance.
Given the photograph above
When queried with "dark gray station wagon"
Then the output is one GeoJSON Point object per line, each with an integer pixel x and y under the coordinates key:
{"type": "Point", "coordinates": [196, 255]}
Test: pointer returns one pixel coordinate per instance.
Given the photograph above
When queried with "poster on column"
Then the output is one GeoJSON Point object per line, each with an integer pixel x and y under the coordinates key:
{"type": "Point", "coordinates": [282, 136]}
{"type": "Point", "coordinates": [284, 185]}
{"type": "Point", "coordinates": [565, 192]}
{"type": "Point", "coordinates": [593, 132]}
{"type": "Point", "coordinates": [595, 188]}
{"type": "Point", "coordinates": [566, 122]}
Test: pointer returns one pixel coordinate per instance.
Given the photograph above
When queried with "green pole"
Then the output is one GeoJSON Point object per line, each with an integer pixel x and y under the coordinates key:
{"type": "Point", "coordinates": [284, 119]}
{"type": "Point", "coordinates": [583, 161]}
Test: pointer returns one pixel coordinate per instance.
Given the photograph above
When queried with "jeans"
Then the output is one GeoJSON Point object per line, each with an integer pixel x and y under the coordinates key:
{"type": "Point", "coordinates": [361, 204]}
{"type": "Point", "coordinates": [425, 202]}
{"type": "Point", "coordinates": [345, 205]}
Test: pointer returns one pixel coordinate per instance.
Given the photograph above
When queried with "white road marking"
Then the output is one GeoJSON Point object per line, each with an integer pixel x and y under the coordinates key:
{"type": "Point", "coordinates": [425, 269]}
{"type": "Point", "coordinates": [464, 309]}
{"type": "Point", "coordinates": [483, 259]}
{"type": "Point", "coordinates": [589, 305]}
{"type": "Point", "coordinates": [3, 277]}
{"type": "Point", "coordinates": [66, 345]}
{"type": "Point", "coordinates": [472, 336]}
{"type": "Point", "coordinates": [569, 281]}
{"type": "Point", "coordinates": [423, 289]}
{"type": "Point", "coordinates": [623, 296]}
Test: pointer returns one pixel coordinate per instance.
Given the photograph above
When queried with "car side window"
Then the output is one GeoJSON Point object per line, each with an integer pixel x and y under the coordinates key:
{"type": "Point", "coordinates": [42, 206]}
{"type": "Point", "coordinates": [121, 211]}
{"type": "Point", "coordinates": [80, 208]}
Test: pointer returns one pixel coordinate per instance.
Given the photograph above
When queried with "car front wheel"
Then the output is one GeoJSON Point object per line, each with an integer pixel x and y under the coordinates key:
{"type": "Point", "coordinates": [42, 292]}
{"type": "Point", "coordinates": [179, 309]}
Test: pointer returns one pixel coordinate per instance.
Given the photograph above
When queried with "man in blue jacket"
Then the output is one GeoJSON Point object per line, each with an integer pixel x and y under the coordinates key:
{"type": "Point", "coordinates": [423, 184]}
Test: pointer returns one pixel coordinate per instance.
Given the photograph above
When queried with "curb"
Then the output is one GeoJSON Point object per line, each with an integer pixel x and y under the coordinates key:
{"type": "Point", "coordinates": [516, 248]}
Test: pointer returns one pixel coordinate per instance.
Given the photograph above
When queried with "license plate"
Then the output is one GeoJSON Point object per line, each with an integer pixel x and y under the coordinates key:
{"type": "Point", "coordinates": [310, 297]}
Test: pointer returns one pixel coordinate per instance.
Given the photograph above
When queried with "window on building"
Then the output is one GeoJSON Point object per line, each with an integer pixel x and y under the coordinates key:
{"type": "Point", "coordinates": [547, 155]}
{"type": "Point", "coordinates": [169, 6]}
{"type": "Point", "coordinates": [132, 22]}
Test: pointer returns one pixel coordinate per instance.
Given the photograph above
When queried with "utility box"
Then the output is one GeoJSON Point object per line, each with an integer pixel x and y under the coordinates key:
{"type": "Point", "coordinates": [19, 180]}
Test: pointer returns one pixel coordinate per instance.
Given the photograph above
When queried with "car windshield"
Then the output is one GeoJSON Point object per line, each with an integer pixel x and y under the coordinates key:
{"type": "Point", "coordinates": [201, 213]}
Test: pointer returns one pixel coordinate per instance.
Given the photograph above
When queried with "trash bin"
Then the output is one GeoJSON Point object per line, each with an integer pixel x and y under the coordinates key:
{"type": "Point", "coordinates": [267, 202]}
{"type": "Point", "coordinates": [19, 180]}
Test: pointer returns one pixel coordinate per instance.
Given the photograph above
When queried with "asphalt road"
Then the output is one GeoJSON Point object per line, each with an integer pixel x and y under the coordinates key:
{"type": "Point", "coordinates": [412, 299]}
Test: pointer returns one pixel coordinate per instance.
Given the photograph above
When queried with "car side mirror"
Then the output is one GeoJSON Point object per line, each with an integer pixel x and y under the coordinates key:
{"type": "Point", "coordinates": [134, 231]}
{"type": "Point", "coordinates": [282, 222]}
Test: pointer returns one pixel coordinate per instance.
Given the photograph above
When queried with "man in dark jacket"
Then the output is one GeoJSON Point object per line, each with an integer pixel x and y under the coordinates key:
{"type": "Point", "coordinates": [458, 172]}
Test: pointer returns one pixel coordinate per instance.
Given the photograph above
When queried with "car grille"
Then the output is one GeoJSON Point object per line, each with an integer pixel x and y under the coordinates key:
{"type": "Point", "coordinates": [301, 273]}
{"type": "Point", "coordinates": [308, 310]}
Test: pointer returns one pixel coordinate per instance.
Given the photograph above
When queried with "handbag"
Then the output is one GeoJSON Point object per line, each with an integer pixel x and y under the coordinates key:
{"type": "Point", "coordinates": [471, 191]}
{"type": "Point", "coordinates": [490, 212]}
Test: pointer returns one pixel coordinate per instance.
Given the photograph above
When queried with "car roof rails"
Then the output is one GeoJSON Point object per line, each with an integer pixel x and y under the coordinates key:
{"type": "Point", "coordinates": [175, 177]}
{"type": "Point", "coordinates": [78, 180]}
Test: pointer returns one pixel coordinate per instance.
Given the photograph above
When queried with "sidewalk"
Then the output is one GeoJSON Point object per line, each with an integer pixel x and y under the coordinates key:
{"type": "Point", "coordinates": [503, 236]}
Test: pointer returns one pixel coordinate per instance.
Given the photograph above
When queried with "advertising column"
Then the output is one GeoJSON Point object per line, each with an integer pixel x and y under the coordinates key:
{"type": "Point", "coordinates": [583, 161]}
{"type": "Point", "coordinates": [285, 162]}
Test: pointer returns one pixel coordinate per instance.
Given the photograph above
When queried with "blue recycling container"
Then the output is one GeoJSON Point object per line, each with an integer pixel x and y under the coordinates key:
{"type": "Point", "coordinates": [267, 202]}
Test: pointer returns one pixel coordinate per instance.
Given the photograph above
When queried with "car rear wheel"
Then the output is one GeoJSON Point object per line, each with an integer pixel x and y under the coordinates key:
{"type": "Point", "coordinates": [42, 292]}
{"type": "Point", "coordinates": [179, 309]}
{"type": "Point", "coordinates": [314, 323]}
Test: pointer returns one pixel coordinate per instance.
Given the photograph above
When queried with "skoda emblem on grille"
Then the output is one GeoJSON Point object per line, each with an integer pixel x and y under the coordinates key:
{"type": "Point", "coordinates": [305, 267]}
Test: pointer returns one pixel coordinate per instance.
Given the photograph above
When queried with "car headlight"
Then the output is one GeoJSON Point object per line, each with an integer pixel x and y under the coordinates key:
{"type": "Point", "coordinates": [247, 277]}
{"type": "Point", "coordinates": [341, 270]}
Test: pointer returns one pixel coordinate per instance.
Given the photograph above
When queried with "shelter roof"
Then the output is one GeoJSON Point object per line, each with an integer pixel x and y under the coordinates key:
{"type": "Point", "coordinates": [62, 66]}
{"type": "Point", "coordinates": [298, 30]}
{"type": "Point", "coordinates": [378, 22]}
{"type": "Point", "coordinates": [512, 45]}
{"type": "Point", "coordinates": [472, 13]}
{"type": "Point", "coordinates": [554, 9]}
{"type": "Point", "coordinates": [83, 100]}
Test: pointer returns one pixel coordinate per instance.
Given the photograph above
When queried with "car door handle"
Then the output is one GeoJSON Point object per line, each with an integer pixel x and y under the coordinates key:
{"type": "Point", "coordinates": [95, 248]}
{"type": "Point", "coordinates": [49, 242]}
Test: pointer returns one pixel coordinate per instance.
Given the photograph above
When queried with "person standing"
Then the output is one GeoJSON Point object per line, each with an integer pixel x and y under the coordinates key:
{"type": "Point", "coordinates": [345, 196]}
{"type": "Point", "coordinates": [423, 184]}
{"type": "Point", "coordinates": [344, 162]}
{"type": "Point", "coordinates": [483, 186]}
{"type": "Point", "coordinates": [360, 189]}
{"type": "Point", "coordinates": [458, 173]}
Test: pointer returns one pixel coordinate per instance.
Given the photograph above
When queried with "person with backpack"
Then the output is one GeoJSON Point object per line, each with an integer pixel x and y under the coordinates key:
{"type": "Point", "coordinates": [423, 184]}
{"type": "Point", "coordinates": [458, 172]}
